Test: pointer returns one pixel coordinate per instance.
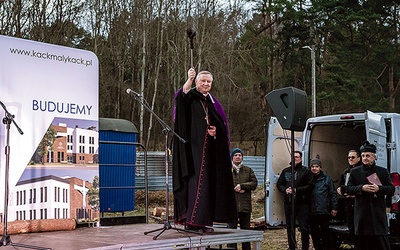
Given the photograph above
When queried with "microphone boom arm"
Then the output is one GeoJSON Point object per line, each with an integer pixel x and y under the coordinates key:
{"type": "Point", "coordinates": [10, 118]}
{"type": "Point", "coordinates": [166, 128]}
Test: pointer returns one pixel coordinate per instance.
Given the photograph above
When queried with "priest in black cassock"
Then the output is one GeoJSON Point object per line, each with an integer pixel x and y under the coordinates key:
{"type": "Point", "coordinates": [370, 219]}
{"type": "Point", "coordinates": [202, 179]}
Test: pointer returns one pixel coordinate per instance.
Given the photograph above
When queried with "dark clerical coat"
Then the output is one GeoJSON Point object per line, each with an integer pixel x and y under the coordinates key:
{"type": "Point", "coordinates": [370, 208]}
{"type": "Point", "coordinates": [202, 178]}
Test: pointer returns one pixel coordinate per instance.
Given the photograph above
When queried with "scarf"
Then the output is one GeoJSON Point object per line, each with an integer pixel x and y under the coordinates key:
{"type": "Point", "coordinates": [236, 167]}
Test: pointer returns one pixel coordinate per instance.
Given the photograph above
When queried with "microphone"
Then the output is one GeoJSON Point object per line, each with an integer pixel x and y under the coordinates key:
{"type": "Point", "coordinates": [129, 91]}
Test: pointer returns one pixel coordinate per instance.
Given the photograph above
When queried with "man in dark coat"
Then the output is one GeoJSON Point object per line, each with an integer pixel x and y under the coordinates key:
{"type": "Point", "coordinates": [354, 160]}
{"type": "Point", "coordinates": [202, 178]}
{"type": "Point", "coordinates": [300, 194]}
{"type": "Point", "coordinates": [370, 221]}
{"type": "Point", "coordinates": [324, 204]}
{"type": "Point", "coordinates": [244, 181]}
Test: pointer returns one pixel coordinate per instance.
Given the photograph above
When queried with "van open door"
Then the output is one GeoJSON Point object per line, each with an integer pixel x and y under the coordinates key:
{"type": "Point", "coordinates": [375, 128]}
{"type": "Point", "coordinates": [277, 157]}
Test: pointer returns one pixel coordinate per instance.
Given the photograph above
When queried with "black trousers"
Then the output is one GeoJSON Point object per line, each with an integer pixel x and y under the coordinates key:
{"type": "Point", "coordinates": [319, 226]}
{"type": "Point", "coordinates": [301, 212]}
{"type": "Point", "coordinates": [244, 222]}
{"type": "Point", "coordinates": [373, 242]}
{"type": "Point", "coordinates": [349, 210]}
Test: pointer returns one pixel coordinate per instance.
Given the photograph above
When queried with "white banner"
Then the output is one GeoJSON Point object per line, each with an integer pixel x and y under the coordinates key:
{"type": "Point", "coordinates": [41, 83]}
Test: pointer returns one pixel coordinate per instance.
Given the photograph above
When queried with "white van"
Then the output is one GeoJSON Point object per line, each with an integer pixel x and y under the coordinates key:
{"type": "Point", "coordinates": [330, 138]}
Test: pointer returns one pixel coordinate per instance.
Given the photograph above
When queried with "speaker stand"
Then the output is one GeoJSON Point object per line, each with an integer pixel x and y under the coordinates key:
{"type": "Point", "coordinates": [293, 195]}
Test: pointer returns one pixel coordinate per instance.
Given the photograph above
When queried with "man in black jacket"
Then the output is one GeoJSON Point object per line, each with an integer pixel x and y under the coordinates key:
{"type": "Point", "coordinates": [354, 160]}
{"type": "Point", "coordinates": [300, 194]}
{"type": "Point", "coordinates": [324, 204]}
{"type": "Point", "coordinates": [370, 221]}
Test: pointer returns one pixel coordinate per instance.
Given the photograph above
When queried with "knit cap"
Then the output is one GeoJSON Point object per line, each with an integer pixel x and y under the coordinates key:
{"type": "Point", "coordinates": [236, 150]}
{"type": "Point", "coordinates": [315, 162]}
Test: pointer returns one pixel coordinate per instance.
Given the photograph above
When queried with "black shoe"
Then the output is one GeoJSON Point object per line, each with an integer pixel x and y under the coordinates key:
{"type": "Point", "coordinates": [197, 229]}
{"type": "Point", "coordinates": [207, 230]}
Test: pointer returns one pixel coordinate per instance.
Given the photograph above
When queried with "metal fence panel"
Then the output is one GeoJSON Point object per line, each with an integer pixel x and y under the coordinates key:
{"type": "Point", "coordinates": [156, 169]}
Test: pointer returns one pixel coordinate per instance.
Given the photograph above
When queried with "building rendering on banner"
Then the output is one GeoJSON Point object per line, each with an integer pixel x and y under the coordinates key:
{"type": "Point", "coordinates": [72, 145]}
{"type": "Point", "coordinates": [50, 197]}
{"type": "Point", "coordinates": [57, 197]}
{"type": "Point", "coordinates": [40, 198]}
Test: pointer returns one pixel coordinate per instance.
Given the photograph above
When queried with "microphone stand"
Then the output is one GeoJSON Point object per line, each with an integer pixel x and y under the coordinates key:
{"type": "Point", "coordinates": [6, 239]}
{"type": "Point", "coordinates": [166, 131]}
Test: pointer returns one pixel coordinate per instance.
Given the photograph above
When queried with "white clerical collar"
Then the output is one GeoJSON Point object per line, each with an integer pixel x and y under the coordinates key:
{"type": "Point", "coordinates": [211, 98]}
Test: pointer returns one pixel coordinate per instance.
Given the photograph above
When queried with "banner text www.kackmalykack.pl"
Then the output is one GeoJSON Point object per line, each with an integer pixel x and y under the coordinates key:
{"type": "Point", "coordinates": [48, 56]}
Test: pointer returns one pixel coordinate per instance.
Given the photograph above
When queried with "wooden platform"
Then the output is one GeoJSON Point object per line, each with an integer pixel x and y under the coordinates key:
{"type": "Point", "coordinates": [133, 237]}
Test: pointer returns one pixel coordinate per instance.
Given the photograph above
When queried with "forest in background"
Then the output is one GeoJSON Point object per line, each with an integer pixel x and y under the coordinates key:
{"type": "Point", "coordinates": [251, 47]}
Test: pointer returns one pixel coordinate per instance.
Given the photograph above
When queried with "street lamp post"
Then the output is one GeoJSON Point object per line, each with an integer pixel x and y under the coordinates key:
{"type": "Point", "coordinates": [313, 87]}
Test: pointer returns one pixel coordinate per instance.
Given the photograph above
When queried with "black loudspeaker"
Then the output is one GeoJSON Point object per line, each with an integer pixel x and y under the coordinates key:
{"type": "Point", "coordinates": [290, 107]}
